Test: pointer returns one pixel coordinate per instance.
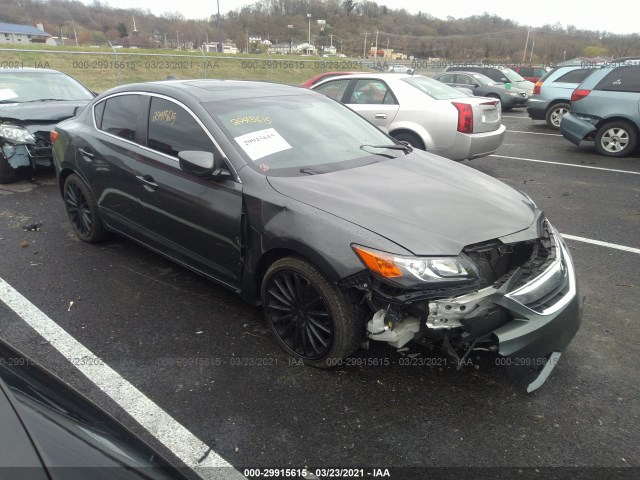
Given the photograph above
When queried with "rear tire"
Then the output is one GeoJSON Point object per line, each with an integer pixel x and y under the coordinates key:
{"type": "Point", "coordinates": [7, 172]}
{"type": "Point", "coordinates": [82, 210]}
{"type": "Point", "coordinates": [310, 318]}
{"type": "Point", "coordinates": [555, 113]}
{"type": "Point", "coordinates": [412, 139]}
{"type": "Point", "coordinates": [616, 139]}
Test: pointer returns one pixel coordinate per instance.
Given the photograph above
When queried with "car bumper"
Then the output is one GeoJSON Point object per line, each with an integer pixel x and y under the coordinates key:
{"type": "Point", "coordinates": [513, 102]}
{"type": "Point", "coordinates": [468, 146]}
{"type": "Point", "coordinates": [536, 108]}
{"type": "Point", "coordinates": [575, 129]}
{"type": "Point", "coordinates": [533, 341]}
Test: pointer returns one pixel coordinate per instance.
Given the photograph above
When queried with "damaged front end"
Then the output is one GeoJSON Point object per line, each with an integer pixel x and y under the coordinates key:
{"type": "Point", "coordinates": [515, 296]}
{"type": "Point", "coordinates": [23, 146]}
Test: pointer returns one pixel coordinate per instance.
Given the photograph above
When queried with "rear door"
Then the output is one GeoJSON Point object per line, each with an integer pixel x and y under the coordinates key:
{"type": "Point", "coordinates": [195, 221]}
{"type": "Point", "coordinates": [106, 155]}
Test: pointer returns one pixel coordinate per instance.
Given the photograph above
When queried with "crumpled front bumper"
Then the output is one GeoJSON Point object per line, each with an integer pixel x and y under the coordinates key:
{"type": "Point", "coordinates": [534, 340]}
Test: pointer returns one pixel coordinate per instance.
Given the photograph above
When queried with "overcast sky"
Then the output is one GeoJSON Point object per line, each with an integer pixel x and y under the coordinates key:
{"type": "Point", "coordinates": [619, 17]}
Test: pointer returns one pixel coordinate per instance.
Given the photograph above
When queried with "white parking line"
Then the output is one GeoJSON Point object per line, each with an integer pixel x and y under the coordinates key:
{"type": "Point", "coordinates": [535, 133]}
{"type": "Point", "coordinates": [601, 243]}
{"type": "Point", "coordinates": [512, 116]}
{"type": "Point", "coordinates": [564, 164]}
{"type": "Point", "coordinates": [159, 423]}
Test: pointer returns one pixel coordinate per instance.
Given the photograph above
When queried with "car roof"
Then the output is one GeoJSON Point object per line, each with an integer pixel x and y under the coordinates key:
{"type": "Point", "coordinates": [210, 90]}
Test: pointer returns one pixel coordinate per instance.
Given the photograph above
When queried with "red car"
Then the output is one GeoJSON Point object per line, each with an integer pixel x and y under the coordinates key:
{"type": "Point", "coordinates": [533, 73]}
{"type": "Point", "coordinates": [323, 76]}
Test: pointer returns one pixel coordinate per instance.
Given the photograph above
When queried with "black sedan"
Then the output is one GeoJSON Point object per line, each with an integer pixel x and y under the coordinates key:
{"type": "Point", "coordinates": [341, 233]}
{"type": "Point", "coordinates": [32, 101]}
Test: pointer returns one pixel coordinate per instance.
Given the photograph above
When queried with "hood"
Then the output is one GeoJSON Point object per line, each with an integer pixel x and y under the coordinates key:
{"type": "Point", "coordinates": [422, 202]}
{"type": "Point", "coordinates": [38, 112]}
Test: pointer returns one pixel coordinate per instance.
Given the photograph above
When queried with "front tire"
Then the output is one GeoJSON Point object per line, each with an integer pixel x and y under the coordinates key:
{"type": "Point", "coordinates": [310, 317]}
{"type": "Point", "coordinates": [616, 139]}
{"type": "Point", "coordinates": [7, 172]}
{"type": "Point", "coordinates": [555, 113]}
{"type": "Point", "coordinates": [82, 210]}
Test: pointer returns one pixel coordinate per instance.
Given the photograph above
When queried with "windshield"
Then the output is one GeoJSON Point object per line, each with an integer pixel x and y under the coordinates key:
{"type": "Point", "coordinates": [511, 75]}
{"type": "Point", "coordinates": [299, 134]}
{"type": "Point", "coordinates": [434, 88]}
{"type": "Point", "coordinates": [483, 79]}
{"type": "Point", "coordinates": [21, 87]}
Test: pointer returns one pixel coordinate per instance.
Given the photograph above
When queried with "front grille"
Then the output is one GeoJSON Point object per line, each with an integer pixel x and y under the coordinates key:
{"type": "Point", "coordinates": [525, 263]}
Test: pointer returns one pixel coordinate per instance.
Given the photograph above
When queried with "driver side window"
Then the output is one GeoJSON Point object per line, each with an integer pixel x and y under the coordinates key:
{"type": "Point", "coordinates": [172, 129]}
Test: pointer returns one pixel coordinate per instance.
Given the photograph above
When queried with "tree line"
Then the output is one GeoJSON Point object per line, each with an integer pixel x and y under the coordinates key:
{"type": "Point", "coordinates": [351, 26]}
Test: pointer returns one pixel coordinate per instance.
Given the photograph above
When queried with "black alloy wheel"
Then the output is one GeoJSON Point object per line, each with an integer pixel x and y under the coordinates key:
{"type": "Point", "coordinates": [82, 210]}
{"type": "Point", "coordinates": [310, 317]}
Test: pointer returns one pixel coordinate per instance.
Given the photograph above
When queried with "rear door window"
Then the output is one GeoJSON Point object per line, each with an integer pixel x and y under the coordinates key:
{"type": "Point", "coordinates": [120, 115]}
{"type": "Point", "coordinates": [334, 89]}
{"type": "Point", "coordinates": [621, 79]}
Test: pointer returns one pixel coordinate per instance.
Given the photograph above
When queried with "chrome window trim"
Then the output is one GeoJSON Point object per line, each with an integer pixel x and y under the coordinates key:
{"type": "Point", "coordinates": [144, 147]}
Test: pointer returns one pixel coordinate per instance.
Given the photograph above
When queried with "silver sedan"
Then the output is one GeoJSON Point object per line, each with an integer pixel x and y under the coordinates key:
{"type": "Point", "coordinates": [423, 112]}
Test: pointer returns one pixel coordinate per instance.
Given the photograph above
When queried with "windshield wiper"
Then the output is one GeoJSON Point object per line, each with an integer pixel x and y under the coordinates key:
{"type": "Point", "coordinates": [392, 146]}
{"type": "Point", "coordinates": [48, 100]}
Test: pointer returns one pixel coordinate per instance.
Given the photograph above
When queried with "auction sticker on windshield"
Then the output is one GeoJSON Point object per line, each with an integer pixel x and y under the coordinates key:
{"type": "Point", "coordinates": [262, 143]}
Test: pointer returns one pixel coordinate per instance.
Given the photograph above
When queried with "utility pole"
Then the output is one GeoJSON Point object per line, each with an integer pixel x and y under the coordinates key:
{"type": "Point", "coordinates": [533, 43]}
{"type": "Point", "coordinates": [309, 41]}
{"type": "Point", "coordinates": [364, 50]}
{"type": "Point", "coordinates": [375, 55]}
{"type": "Point", "coordinates": [75, 35]}
{"type": "Point", "coordinates": [219, 46]}
{"type": "Point", "coordinates": [526, 45]}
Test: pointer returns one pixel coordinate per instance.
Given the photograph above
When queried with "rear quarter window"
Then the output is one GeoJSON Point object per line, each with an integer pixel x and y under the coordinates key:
{"type": "Point", "coordinates": [621, 79]}
{"type": "Point", "coordinates": [575, 76]}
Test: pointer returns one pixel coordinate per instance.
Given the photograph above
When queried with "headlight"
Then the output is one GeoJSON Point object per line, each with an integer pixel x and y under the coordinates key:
{"type": "Point", "coordinates": [16, 134]}
{"type": "Point", "coordinates": [426, 269]}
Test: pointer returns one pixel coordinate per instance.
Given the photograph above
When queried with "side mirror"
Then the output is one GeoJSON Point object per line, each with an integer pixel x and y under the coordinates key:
{"type": "Point", "coordinates": [201, 164]}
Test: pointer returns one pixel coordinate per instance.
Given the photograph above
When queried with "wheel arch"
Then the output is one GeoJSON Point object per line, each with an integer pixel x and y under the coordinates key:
{"type": "Point", "coordinates": [426, 142]}
{"type": "Point", "coordinates": [619, 118]}
{"type": "Point", "coordinates": [253, 274]}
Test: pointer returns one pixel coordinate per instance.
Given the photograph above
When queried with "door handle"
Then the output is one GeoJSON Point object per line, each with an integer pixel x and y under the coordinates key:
{"type": "Point", "coordinates": [147, 182]}
{"type": "Point", "coordinates": [86, 152]}
{"type": "Point", "coordinates": [381, 116]}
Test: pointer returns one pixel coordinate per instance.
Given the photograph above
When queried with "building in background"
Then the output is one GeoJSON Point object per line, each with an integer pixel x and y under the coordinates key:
{"type": "Point", "coordinates": [22, 34]}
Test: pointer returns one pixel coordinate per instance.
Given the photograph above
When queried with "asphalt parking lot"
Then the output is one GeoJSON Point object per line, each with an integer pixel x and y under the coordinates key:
{"type": "Point", "coordinates": [202, 356]}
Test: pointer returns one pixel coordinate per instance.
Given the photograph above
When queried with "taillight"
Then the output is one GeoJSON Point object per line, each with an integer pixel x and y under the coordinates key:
{"type": "Point", "coordinates": [465, 117]}
{"type": "Point", "coordinates": [536, 88]}
{"type": "Point", "coordinates": [53, 135]}
{"type": "Point", "coordinates": [579, 94]}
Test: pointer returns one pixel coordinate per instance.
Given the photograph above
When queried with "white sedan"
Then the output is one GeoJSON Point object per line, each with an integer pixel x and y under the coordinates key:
{"type": "Point", "coordinates": [422, 112]}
